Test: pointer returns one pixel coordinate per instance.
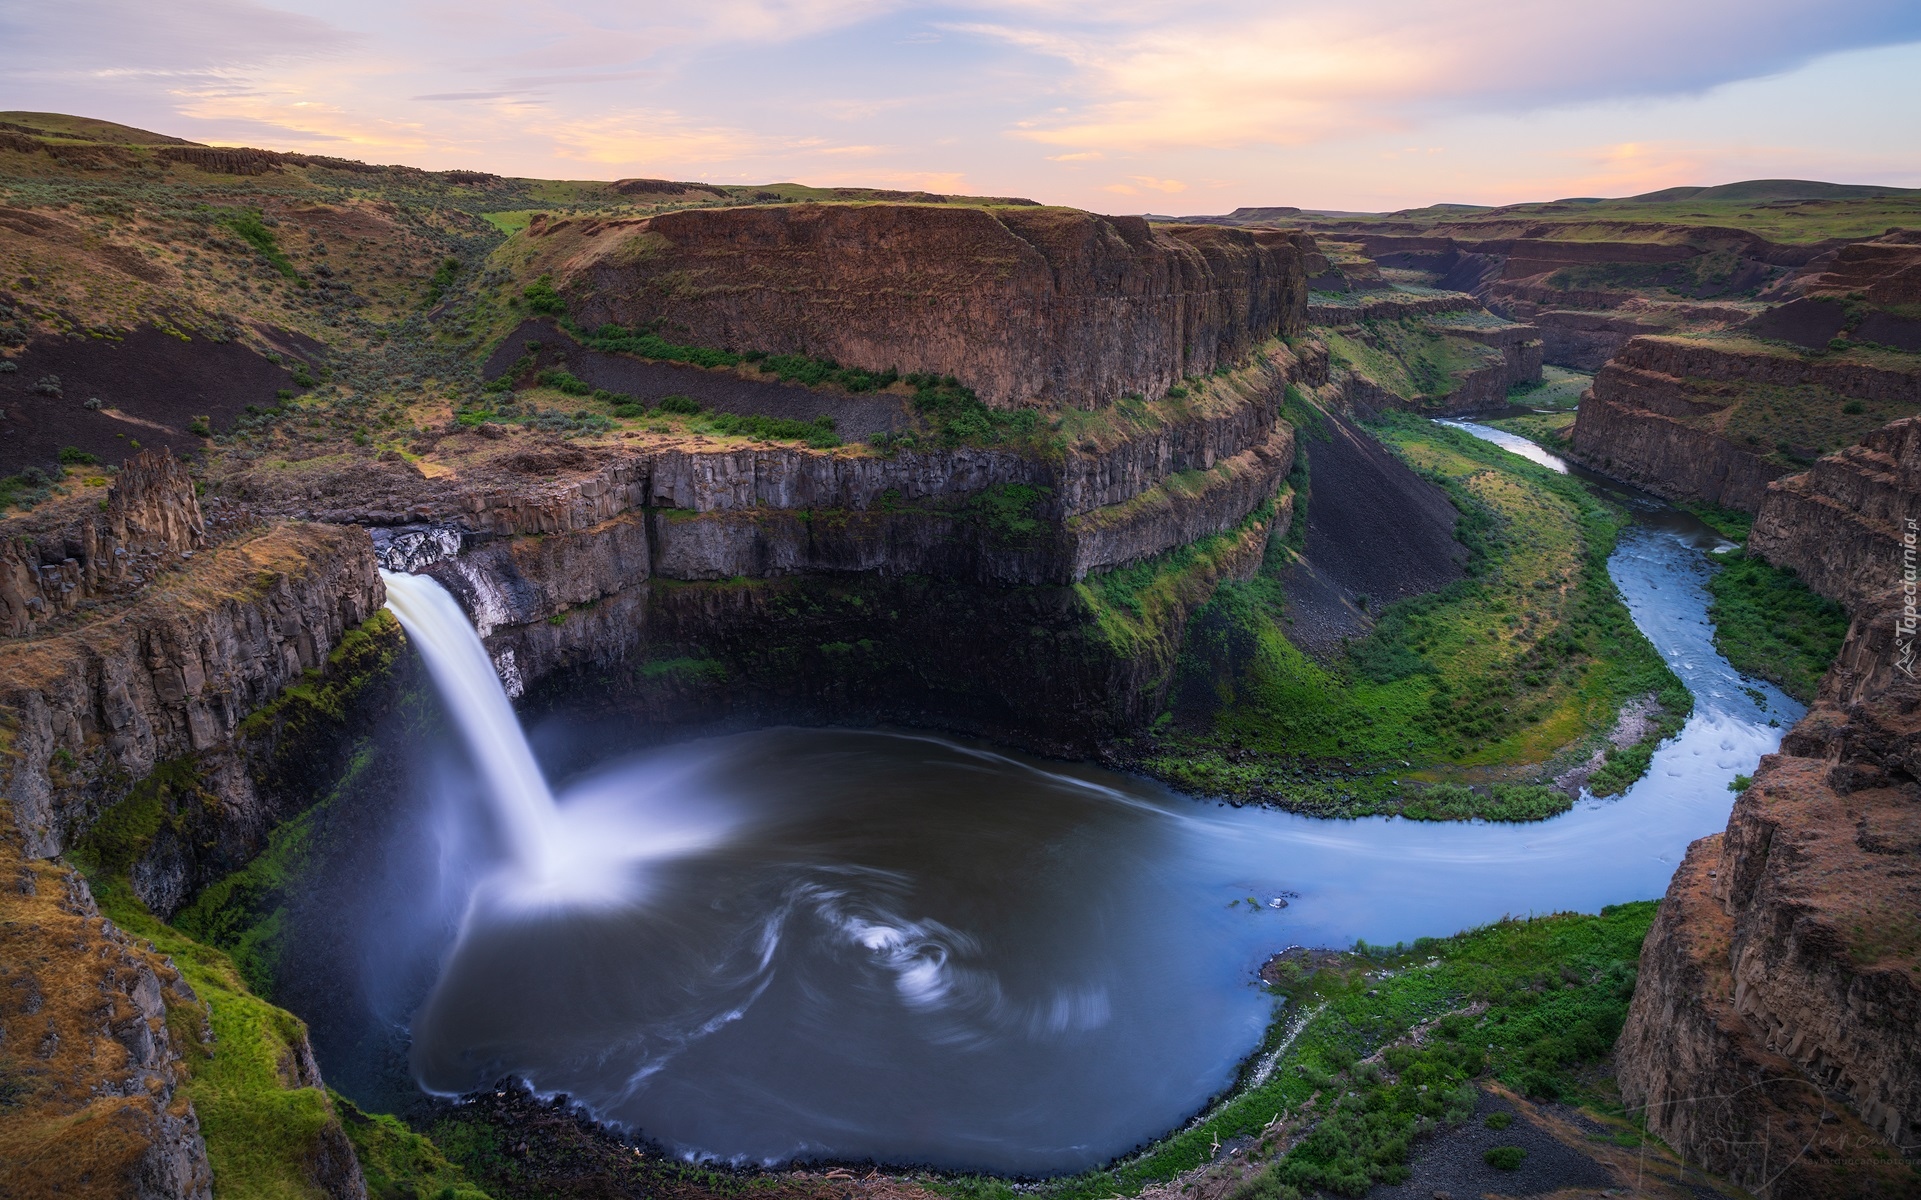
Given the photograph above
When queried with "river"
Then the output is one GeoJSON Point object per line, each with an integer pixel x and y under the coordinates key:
{"type": "Point", "coordinates": [824, 943]}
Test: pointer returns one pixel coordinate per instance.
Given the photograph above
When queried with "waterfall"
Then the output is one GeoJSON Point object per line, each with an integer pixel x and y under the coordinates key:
{"type": "Point", "coordinates": [465, 677]}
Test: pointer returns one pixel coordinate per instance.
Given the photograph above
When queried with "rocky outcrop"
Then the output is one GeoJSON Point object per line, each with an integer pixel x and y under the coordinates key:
{"type": "Point", "coordinates": [1024, 305]}
{"type": "Point", "coordinates": [151, 521]}
{"type": "Point", "coordinates": [1527, 260]}
{"type": "Point", "coordinates": [1051, 667]}
{"type": "Point", "coordinates": [1664, 413]}
{"type": "Point", "coordinates": [92, 709]}
{"type": "Point", "coordinates": [1772, 1034]}
{"type": "Point", "coordinates": [1847, 526]}
{"type": "Point", "coordinates": [95, 1105]}
{"type": "Point", "coordinates": [1385, 306]}
{"type": "Point", "coordinates": [1617, 434]}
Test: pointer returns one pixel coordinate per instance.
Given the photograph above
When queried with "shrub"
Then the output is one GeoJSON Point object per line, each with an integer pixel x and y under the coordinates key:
{"type": "Point", "coordinates": [442, 280]}
{"type": "Point", "coordinates": [48, 385]}
{"type": "Point", "coordinates": [960, 418]}
{"type": "Point", "coordinates": [1768, 623]}
{"type": "Point", "coordinates": [74, 456]}
{"type": "Point", "coordinates": [254, 231]}
{"type": "Point", "coordinates": [685, 406]}
{"type": "Point", "coordinates": [1499, 1120]}
{"type": "Point", "coordinates": [1854, 408]}
{"type": "Point", "coordinates": [200, 427]}
{"type": "Point", "coordinates": [562, 380]}
{"type": "Point", "coordinates": [8, 366]}
{"type": "Point", "coordinates": [1504, 1158]}
{"type": "Point", "coordinates": [818, 433]}
{"type": "Point", "coordinates": [630, 408]}
{"type": "Point", "coordinates": [542, 298]}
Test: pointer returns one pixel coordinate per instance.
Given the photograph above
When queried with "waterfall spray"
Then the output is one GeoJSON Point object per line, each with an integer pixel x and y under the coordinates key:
{"type": "Point", "coordinates": [471, 690]}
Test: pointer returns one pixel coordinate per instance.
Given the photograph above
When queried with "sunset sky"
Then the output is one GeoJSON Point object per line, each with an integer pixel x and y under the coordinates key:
{"type": "Point", "coordinates": [1127, 106]}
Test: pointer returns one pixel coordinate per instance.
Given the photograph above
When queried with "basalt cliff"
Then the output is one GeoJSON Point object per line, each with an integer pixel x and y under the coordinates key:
{"type": "Point", "coordinates": [1026, 304]}
{"type": "Point", "coordinates": [1772, 1035]}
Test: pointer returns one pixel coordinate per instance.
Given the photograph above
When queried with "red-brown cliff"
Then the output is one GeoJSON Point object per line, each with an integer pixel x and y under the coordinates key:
{"type": "Point", "coordinates": [1024, 305]}
{"type": "Point", "coordinates": [1772, 1036]}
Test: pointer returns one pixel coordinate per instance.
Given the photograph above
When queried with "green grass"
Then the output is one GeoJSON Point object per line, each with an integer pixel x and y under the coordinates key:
{"type": "Point", "coordinates": [1408, 358]}
{"type": "Point", "coordinates": [1547, 430]}
{"type": "Point", "coordinates": [510, 222]}
{"type": "Point", "coordinates": [1769, 625]}
{"type": "Point", "coordinates": [400, 1164]}
{"type": "Point", "coordinates": [1560, 389]}
{"type": "Point", "coordinates": [250, 227]}
{"type": "Point", "coordinates": [261, 1128]}
{"type": "Point", "coordinates": [1511, 669]}
{"type": "Point", "coordinates": [260, 1131]}
{"type": "Point", "coordinates": [818, 433]}
{"type": "Point", "coordinates": [1556, 991]}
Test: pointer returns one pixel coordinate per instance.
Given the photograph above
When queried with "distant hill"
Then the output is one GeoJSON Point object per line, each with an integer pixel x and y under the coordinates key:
{"type": "Point", "coordinates": [1772, 189]}
{"type": "Point", "coordinates": [85, 129]}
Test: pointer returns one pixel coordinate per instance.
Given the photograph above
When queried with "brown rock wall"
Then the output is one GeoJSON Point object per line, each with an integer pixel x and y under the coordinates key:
{"type": "Point", "coordinates": [151, 521]}
{"type": "Point", "coordinates": [1772, 1035]}
{"type": "Point", "coordinates": [1840, 525]}
{"type": "Point", "coordinates": [103, 703]}
{"type": "Point", "coordinates": [96, 1108]}
{"type": "Point", "coordinates": [1025, 305]}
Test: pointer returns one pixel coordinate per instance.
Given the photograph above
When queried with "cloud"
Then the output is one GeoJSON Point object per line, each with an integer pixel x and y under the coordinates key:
{"type": "Point", "coordinates": [131, 36]}
{"type": "Point", "coordinates": [1245, 73]}
{"type": "Point", "coordinates": [1373, 102]}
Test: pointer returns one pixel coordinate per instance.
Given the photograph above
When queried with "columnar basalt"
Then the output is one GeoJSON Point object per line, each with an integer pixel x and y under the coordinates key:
{"type": "Point", "coordinates": [1847, 524]}
{"type": "Point", "coordinates": [95, 707]}
{"type": "Point", "coordinates": [1025, 305]}
{"type": "Point", "coordinates": [1687, 418]}
{"type": "Point", "coordinates": [1771, 1037]}
{"type": "Point", "coordinates": [150, 521]}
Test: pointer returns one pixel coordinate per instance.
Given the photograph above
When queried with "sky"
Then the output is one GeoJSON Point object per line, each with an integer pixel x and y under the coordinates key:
{"type": "Point", "coordinates": [1123, 106]}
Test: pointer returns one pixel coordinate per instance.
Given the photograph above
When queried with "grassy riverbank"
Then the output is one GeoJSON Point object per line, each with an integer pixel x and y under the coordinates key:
{"type": "Point", "coordinates": [1375, 1049]}
{"type": "Point", "coordinates": [1769, 625]}
{"type": "Point", "coordinates": [1461, 703]}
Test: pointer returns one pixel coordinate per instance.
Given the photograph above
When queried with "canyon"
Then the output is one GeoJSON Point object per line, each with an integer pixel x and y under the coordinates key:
{"type": "Point", "coordinates": [193, 651]}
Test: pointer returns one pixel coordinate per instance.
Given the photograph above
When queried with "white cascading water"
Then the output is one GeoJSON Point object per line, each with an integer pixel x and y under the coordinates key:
{"type": "Point", "coordinates": [586, 853]}
{"type": "Point", "coordinates": [465, 676]}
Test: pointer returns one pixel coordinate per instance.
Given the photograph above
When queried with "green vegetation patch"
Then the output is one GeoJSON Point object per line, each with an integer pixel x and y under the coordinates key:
{"type": "Point", "coordinates": [1560, 389]}
{"type": "Point", "coordinates": [256, 234]}
{"type": "Point", "coordinates": [1509, 671]}
{"type": "Point", "coordinates": [1769, 625]}
{"type": "Point", "coordinates": [958, 417]}
{"type": "Point", "coordinates": [818, 433]}
{"type": "Point", "coordinates": [1131, 605]}
{"type": "Point", "coordinates": [1388, 1046]}
{"type": "Point", "coordinates": [400, 1164]}
{"type": "Point", "coordinates": [1419, 364]}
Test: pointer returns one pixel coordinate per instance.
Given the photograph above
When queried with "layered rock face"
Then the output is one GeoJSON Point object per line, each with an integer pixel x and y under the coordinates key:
{"type": "Point", "coordinates": [150, 521]}
{"type": "Point", "coordinates": [1024, 305]}
{"type": "Point", "coordinates": [97, 706]}
{"type": "Point", "coordinates": [593, 568]}
{"type": "Point", "coordinates": [1842, 525]}
{"type": "Point", "coordinates": [1660, 413]}
{"type": "Point", "coordinates": [1442, 354]}
{"type": "Point", "coordinates": [94, 1071]}
{"type": "Point", "coordinates": [1772, 1035]}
